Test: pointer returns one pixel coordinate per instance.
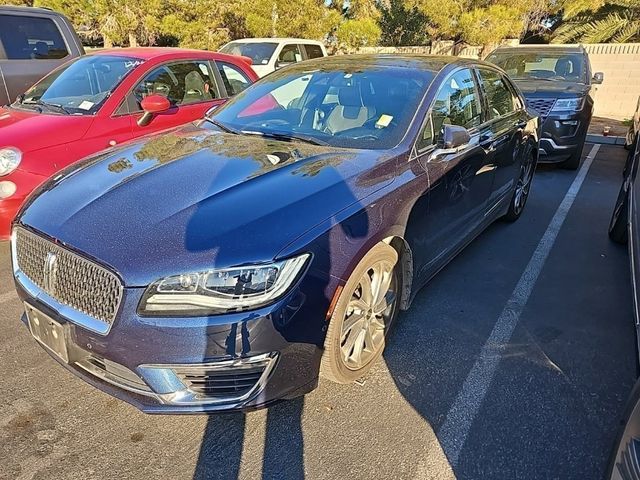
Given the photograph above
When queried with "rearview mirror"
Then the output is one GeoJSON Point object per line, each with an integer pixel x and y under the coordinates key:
{"type": "Point", "coordinates": [453, 137]}
{"type": "Point", "coordinates": [598, 78]}
{"type": "Point", "coordinates": [152, 105]}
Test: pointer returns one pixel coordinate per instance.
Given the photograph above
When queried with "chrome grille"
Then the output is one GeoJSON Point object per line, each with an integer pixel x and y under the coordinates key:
{"type": "Point", "coordinates": [541, 105]}
{"type": "Point", "coordinates": [68, 278]}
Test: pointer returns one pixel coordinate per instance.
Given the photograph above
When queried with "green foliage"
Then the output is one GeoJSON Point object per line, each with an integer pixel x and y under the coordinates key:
{"type": "Point", "coordinates": [488, 26]}
{"type": "Point", "coordinates": [352, 34]}
{"type": "Point", "coordinates": [599, 21]}
{"type": "Point", "coordinates": [284, 18]}
{"type": "Point", "coordinates": [403, 26]}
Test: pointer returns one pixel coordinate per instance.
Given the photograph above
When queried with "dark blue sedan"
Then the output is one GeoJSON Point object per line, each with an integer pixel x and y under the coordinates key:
{"type": "Point", "coordinates": [225, 265]}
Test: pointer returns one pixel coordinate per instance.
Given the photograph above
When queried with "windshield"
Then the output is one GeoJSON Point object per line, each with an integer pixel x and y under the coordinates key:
{"type": "Point", "coordinates": [368, 106]}
{"type": "Point", "coordinates": [259, 53]}
{"type": "Point", "coordinates": [541, 65]}
{"type": "Point", "coordinates": [79, 87]}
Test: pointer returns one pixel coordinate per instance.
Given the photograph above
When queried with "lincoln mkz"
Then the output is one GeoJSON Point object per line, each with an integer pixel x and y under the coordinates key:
{"type": "Point", "coordinates": [229, 263]}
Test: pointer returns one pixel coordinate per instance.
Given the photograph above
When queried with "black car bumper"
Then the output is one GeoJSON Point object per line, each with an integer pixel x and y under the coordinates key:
{"type": "Point", "coordinates": [563, 136]}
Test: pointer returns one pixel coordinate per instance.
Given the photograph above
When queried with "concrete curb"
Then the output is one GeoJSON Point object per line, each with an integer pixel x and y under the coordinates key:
{"type": "Point", "coordinates": [609, 140]}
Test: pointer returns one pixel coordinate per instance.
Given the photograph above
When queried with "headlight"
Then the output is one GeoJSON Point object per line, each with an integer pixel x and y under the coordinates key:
{"type": "Point", "coordinates": [220, 291]}
{"type": "Point", "coordinates": [9, 160]}
{"type": "Point", "coordinates": [568, 104]}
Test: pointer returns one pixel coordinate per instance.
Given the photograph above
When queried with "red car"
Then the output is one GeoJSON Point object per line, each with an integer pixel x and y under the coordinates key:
{"type": "Point", "coordinates": [97, 101]}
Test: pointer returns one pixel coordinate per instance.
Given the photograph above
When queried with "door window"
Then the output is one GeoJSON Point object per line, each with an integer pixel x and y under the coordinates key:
{"type": "Point", "coordinates": [499, 96]}
{"type": "Point", "coordinates": [456, 103]}
{"type": "Point", "coordinates": [288, 55]}
{"type": "Point", "coordinates": [31, 38]}
{"type": "Point", "coordinates": [182, 83]}
{"type": "Point", "coordinates": [233, 78]}
{"type": "Point", "coordinates": [314, 51]}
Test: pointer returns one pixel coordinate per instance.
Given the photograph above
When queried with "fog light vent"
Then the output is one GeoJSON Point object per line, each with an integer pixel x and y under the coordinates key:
{"type": "Point", "coordinates": [226, 380]}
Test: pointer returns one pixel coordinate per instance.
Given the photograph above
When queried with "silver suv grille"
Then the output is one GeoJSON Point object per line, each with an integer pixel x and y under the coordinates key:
{"type": "Point", "coordinates": [541, 105]}
{"type": "Point", "coordinates": [68, 278]}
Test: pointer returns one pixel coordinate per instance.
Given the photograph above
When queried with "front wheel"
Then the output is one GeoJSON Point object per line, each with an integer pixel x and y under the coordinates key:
{"type": "Point", "coordinates": [362, 317]}
{"type": "Point", "coordinates": [573, 162]}
{"type": "Point", "coordinates": [521, 192]}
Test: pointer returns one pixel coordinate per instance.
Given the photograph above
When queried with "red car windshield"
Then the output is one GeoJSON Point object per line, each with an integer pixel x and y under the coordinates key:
{"type": "Point", "coordinates": [80, 86]}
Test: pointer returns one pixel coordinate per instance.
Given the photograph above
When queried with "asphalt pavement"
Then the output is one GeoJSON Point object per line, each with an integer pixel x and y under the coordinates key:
{"type": "Point", "coordinates": [447, 401]}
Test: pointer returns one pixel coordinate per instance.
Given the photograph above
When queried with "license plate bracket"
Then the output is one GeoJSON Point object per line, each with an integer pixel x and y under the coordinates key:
{"type": "Point", "coordinates": [49, 333]}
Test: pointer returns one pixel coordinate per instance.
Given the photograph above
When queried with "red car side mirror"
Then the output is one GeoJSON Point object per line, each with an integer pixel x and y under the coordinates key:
{"type": "Point", "coordinates": [151, 105]}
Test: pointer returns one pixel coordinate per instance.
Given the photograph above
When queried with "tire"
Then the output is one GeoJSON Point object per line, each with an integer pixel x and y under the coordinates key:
{"type": "Point", "coordinates": [367, 335]}
{"type": "Point", "coordinates": [521, 191]}
{"type": "Point", "coordinates": [618, 230]}
{"type": "Point", "coordinates": [573, 162]}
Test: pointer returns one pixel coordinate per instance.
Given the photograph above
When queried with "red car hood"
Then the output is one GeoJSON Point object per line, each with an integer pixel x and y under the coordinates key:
{"type": "Point", "coordinates": [30, 131]}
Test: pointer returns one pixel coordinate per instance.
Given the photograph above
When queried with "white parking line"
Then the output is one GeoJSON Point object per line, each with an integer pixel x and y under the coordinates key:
{"type": "Point", "coordinates": [5, 297]}
{"type": "Point", "coordinates": [460, 417]}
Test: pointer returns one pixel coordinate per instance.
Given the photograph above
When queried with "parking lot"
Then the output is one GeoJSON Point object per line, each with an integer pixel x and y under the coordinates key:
{"type": "Point", "coordinates": [444, 403]}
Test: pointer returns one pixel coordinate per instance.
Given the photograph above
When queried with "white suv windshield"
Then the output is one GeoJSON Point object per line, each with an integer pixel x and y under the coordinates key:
{"type": "Point", "coordinates": [259, 53]}
{"type": "Point", "coordinates": [81, 86]}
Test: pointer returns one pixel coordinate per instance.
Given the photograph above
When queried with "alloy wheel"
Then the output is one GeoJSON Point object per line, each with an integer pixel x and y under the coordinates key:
{"type": "Point", "coordinates": [367, 315]}
{"type": "Point", "coordinates": [523, 186]}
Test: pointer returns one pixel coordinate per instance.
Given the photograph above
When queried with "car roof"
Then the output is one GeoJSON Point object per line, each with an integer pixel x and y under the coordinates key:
{"type": "Point", "coordinates": [542, 48]}
{"type": "Point", "coordinates": [276, 40]}
{"type": "Point", "coordinates": [26, 9]}
{"type": "Point", "coordinates": [149, 53]}
{"type": "Point", "coordinates": [432, 63]}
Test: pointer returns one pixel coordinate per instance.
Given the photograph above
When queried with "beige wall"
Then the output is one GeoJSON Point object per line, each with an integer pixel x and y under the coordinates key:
{"type": "Point", "coordinates": [615, 98]}
{"type": "Point", "coordinates": [618, 95]}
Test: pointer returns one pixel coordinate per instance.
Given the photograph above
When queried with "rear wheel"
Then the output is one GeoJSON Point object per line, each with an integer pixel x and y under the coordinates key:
{"type": "Point", "coordinates": [362, 317]}
{"type": "Point", "coordinates": [618, 225]}
{"type": "Point", "coordinates": [521, 192]}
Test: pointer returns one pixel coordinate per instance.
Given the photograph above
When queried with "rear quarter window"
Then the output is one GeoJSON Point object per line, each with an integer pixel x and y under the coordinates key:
{"type": "Point", "coordinates": [313, 51]}
{"type": "Point", "coordinates": [31, 38]}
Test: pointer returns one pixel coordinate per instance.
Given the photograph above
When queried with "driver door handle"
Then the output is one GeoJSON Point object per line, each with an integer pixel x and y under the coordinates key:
{"type": "Point", "coordinates": [520, 123]}
{"type": "Point", "coordinates": [486, 141]}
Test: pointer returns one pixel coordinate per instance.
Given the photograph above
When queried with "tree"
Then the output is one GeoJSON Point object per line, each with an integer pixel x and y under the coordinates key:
{"type": "Point", "coordinates": [400, 25]}
{"type": "Point", "coordinates": [488, 26]}
{"type": "Point", "coordinates": [482, 21]}
{"type": "Point", "coordinates": [599, 21]}
{"type": "Point", "coordinates": [354, 33]}
{"type": "Point", "coordinates": [283, 18]}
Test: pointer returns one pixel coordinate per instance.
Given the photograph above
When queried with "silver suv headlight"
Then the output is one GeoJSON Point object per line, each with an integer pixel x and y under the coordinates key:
{"type": "Point", "coordinates": [10, 158]}
{"type": "Point", "coordinates": [220, 291]}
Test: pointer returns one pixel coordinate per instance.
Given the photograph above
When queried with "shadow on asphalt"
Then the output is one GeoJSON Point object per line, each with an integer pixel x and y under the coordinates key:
{"type": "Point", "coordinates": [545, 390]}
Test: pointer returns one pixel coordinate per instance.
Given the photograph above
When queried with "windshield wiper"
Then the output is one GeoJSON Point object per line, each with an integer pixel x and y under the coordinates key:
{"type": "Point", "coordinates": [222, 126]}
{"type": "Point", "coordinates": [288, 137]}
{"type": "Point", "coordinates": [42, 104]}
{"type": "Point", "coordinates": [53, 106]}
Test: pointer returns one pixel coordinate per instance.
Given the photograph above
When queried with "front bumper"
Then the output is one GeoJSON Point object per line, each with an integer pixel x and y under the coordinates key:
{"type": "Point", "coordinates": [176, 365]}
{"type": "Point", "coordinates": [562, 136]}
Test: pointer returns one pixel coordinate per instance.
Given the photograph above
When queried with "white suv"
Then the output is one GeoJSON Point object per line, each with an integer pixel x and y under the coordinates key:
{"type": "Point", "coordinates": [269, 54]}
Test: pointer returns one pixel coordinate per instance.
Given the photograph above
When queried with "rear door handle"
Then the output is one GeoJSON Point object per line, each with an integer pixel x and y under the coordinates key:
{"type": "Point", "coordinates": [520, 124]}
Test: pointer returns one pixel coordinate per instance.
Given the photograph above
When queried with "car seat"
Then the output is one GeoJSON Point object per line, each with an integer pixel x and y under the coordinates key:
{"type": "Point", "coordinates": [195, 88]}
{"type": "Point", "coordinates": [350, 111]}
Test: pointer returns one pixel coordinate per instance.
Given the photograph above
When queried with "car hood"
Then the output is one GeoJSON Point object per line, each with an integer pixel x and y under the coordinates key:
{"type": "Point", "coordinates": [197, 199]}
{"type": "Point", "coordinates": [555, 89]}
{"type": "Point", "coordinates": [30, 131]}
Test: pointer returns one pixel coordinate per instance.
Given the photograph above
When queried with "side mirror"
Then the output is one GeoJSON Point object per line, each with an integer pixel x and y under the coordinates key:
{"type": "Point", "coordinates": [152, 105]}
{"type": "Point", "coordinates": [598, 78]}
{"type": "Point", "coordinates": [453, 137]}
